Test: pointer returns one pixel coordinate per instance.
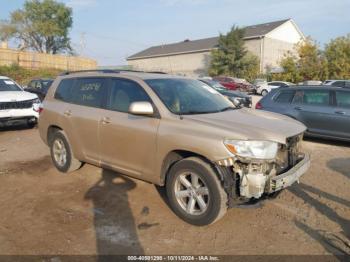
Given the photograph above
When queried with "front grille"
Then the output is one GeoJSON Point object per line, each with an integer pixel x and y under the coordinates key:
{"type": "Point", "coordinates": [16, 105]}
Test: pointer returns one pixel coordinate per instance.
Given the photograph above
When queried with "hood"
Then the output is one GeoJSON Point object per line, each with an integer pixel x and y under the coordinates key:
{"type": "Point", "coordinates": [249, 124]}
{"type": "Point", "coordinates": [13, 96]}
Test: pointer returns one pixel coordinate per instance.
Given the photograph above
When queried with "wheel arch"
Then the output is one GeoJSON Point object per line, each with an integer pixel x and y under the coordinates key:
{"type": "Point", "coordinates": [50, 131]}
{"type": "Point", "coordinates": [175, 156]}
{"type": "Point", "coordinates": [76, 150]}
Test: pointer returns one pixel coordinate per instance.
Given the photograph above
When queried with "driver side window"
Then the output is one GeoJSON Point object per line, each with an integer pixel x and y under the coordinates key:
{"type": "Point", "coordinates": [124, 92]}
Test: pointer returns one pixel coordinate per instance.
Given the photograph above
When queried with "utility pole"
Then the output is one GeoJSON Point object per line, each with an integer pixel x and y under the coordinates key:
{"type": "Point", "coordinates": [82, 43]}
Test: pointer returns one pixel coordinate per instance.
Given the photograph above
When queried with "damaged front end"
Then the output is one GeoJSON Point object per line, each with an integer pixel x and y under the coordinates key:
{"type": "Point", "coordinates": [252, 178]}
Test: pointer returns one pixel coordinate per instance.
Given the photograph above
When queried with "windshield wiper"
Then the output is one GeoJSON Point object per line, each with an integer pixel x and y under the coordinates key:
{"type": "Point", "coordinates": [198, 112]}
{"type": "Point", "coordinates": [208, 112]}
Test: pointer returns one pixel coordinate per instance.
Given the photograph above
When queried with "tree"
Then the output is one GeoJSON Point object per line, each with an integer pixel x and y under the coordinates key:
{"type": "Point", "coordinates": [232, 58]}
{"type": "Point", "coordinates": [312, 65]}
{"type": "Point", "coordinates": [42, 26]}
{"type": "Point", "coordinates": [290, 70]}
{"type": "Point", "coordinates": [306, 63]}
{"type": "Point", "coordinates": [337, 54]}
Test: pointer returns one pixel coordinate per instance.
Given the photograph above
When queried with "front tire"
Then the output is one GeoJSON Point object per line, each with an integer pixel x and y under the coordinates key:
{"type": "Point", "coordinates": [61, 153]}
{"type": "Point", "coordinates": [195, 193]}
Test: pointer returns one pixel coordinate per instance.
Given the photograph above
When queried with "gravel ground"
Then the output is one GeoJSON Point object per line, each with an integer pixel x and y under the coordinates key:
{"type": "Point", "coordinates": [95, 211]}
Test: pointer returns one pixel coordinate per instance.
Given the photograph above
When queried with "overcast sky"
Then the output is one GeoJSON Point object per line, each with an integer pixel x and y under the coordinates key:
{"type": "Point", "coordinates": [115, 29]}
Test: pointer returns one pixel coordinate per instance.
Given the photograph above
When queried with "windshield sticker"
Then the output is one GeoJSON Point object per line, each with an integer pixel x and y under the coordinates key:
{"type": "Point", "coordinates": [7, 82]}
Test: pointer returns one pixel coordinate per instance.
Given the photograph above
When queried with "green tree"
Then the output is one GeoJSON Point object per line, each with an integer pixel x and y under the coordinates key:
{"type": "Point", "coordinates": [290, 70]}
{"type": "Point", "coordinates": [312, 65]}
{"type": "Point", "coordinates": [337, 54]}
{"type": "Point", "coordinates": [232, 58]}
{"type": "Point", "coordinates": [42, 26]}
{"type": "Point", "coordinates": [306, 63]}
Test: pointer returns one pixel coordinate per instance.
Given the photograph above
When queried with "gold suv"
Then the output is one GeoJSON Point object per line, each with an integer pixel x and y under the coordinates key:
{"type": "Point", "coordinates": [174, 132]}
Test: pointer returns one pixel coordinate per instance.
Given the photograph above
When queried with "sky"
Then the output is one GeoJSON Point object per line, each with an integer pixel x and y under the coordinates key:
{"type": "Point", "coordinates": [111, 30]}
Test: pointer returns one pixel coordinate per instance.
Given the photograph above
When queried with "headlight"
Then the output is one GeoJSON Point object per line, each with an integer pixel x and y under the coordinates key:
{"type": "Point", "coordinates": [36, 101]}
{"type": "Point", "coordinates": [252, 149]}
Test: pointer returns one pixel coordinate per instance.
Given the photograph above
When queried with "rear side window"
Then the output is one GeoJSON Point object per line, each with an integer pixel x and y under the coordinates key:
{"type": "Point", "coordinates": [123, 93]}
{"type": "Point", "coordinates": [312, 97]}
{"type": "Point", "coordinates": [64, 90]}
{"type": "Point", "coordinates": [285, 97]}
{"type": "Point", "coordinates": [89, 92]}
{"type": "Point", "coordinates": [343, 99]}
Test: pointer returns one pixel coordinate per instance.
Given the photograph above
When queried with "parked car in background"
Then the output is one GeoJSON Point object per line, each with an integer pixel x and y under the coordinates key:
{"type": "Point", "coordinates": [311, 83]}
{"type": "Point", "coordinates": [227, 82]}
{"type": "Point", "coordinates": [39, 87]}
{"type": "Point", "coordinates": [17, 105]}
{"type": "Point", "coordinates": [260, 86]}
{"type": "Point", "coordinates": [337, 83]}
{"type": "Point", "coordinates": [280, 84]}
{"type": "Point", "coordinates": [234, 96]}
{"type": "Point", "coordinates": [174, 132]}
{"type": "Point", "coordinates": [232, 83]}
{"type": "Point", "coordinates": [263, 88]}
{"type": "Point", "coordinates": [324, 110]}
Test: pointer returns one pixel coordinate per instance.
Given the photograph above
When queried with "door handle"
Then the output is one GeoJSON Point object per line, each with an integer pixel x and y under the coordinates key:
{"type": "Point", "coordinates": [298, 108]}
{"type": "Point", "coordinates": [340, 112]}
{"type": "Point", "coordinates": [67, 113]}
{"type": "Point", "coordinates": [105, 120]}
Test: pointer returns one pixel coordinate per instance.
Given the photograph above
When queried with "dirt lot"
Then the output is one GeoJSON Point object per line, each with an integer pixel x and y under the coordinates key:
{"type": "Point", "coordinates": [94, 211]}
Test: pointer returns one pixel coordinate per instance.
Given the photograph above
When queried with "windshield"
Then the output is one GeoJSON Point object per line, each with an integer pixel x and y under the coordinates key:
{"type": "Point", "coordinates": [9, 85]}
{"type": "Point", "coordinates": [186, 96]}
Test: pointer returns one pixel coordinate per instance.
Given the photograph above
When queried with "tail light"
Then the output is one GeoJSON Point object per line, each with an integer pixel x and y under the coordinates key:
{"type": "Point", "coordinates": [40, 109]}
{"type": "Point", "coordinates": [258, 106]}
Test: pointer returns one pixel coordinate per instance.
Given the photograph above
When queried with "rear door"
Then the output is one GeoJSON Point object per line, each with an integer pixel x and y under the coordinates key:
{"type": "Point", "coordinates": [342, 114]}
{"type": "Point", "coordinates": [313, 108]}
{"type": "Point", "coordinates": [128, 142]}
{"type": "Point", "coordinates": [280, 102]}
{"type": "Point", "coordinates": [81, 115]}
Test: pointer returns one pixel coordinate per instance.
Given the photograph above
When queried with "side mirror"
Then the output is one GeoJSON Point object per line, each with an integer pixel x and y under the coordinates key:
{"type": "Point", "coordinates": [141, 108]}
{"type": "Point", "coordinates": [237, 102]}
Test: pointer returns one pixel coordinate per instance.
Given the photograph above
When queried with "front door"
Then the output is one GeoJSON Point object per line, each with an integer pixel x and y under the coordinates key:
{"type": "Point", "coordinates": [128, 142]}
{"type": "Point", "coordinates": [313, 108]}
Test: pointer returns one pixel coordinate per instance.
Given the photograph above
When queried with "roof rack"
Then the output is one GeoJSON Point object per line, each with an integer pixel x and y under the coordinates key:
{"type": "Point", "coordinates": [108, 71]}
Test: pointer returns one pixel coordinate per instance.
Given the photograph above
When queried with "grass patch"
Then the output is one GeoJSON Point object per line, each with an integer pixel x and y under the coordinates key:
{"type": "Point", "coordinates": [23, 75]}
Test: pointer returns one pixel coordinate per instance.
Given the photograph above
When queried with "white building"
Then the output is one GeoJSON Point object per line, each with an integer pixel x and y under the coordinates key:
{"type": "Point", "coordinates": [269, 41]}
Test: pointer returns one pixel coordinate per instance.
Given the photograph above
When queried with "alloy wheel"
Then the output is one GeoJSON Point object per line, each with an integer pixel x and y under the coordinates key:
{"type": "Point", "coordinates": [191, 193]}
{"type": "Point", "coordinates": [59, 152]}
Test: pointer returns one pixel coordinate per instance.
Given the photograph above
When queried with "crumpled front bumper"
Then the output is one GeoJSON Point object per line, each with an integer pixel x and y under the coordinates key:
{"type": "Point", "coordinates": [288, 178]}
{"type": "Point", "coordinates": [254, 185]}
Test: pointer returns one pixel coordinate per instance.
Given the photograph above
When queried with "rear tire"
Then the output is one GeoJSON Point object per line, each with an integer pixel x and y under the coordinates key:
{"type": "Point", "coordinates": [195, 192]}
{"type": "Point", "coordinates": [61, 153]}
